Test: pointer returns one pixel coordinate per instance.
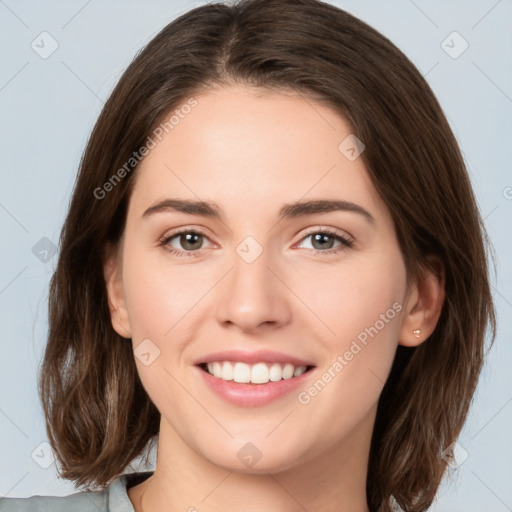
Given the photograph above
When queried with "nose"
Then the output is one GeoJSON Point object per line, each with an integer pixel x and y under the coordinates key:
{"type": "Point", "coordinates": [253, 295]}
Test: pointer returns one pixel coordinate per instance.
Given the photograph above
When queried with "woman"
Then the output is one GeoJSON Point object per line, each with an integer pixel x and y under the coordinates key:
{"type": "Point", "coordinates": [274, 263]}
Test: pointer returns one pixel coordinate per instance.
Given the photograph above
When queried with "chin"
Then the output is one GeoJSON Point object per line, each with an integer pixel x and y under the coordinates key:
{"type": "Point", "coordinates": [256, 457]}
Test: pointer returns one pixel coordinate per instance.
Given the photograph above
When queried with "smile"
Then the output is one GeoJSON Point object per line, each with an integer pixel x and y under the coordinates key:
{"type": "Point", "coordinates": [248, 378]}
{"type": "Point", "coordinates": [259, 373]}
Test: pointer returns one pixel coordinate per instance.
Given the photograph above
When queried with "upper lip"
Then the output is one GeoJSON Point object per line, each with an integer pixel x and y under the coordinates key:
{"type": "Point", "coordinates": [251, 357]}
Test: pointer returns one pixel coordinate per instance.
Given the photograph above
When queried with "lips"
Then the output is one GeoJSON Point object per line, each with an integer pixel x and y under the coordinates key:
{"type": "Point", "coordinates": [253, 367]}
{"type": "Point", "coordinates": [250, 379]}
{"type": "Point", "coordinates": [253, 357]}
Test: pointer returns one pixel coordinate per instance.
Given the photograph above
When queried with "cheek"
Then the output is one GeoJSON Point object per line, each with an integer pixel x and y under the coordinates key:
{"type": "Point", "coordinates": [160, 295]}
{"type": "Point", "coordinates": [359, 296]}
{"type": "Point", "coordinates": [360, 307]}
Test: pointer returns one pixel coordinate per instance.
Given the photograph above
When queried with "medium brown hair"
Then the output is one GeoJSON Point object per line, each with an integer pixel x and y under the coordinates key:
{"type": "Point", "coordinates": [98, 416]}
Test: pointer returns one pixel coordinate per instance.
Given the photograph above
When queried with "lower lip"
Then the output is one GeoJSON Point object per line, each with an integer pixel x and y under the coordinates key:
{"type": "Point", "coordinates": [252, 395]}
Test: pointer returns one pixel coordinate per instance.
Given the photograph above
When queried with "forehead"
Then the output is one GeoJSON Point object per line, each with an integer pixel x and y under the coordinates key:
{"type": "Point", "coordinates": [246, 147]}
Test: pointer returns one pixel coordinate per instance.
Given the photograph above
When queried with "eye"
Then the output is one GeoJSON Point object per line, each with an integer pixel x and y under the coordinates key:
{"type": "Point", "coordinates": [184, 243]}
{"type": "Point", "coordinates": [324, 240]}
{"type": "Point", "coordinates": [189, 242]}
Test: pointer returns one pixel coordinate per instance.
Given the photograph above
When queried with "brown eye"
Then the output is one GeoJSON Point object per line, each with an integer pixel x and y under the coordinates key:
{"type": "Point", "coordinates": [323, 241]}
{"type": "Point", "coordinates": [184, 243]}
{"type": "Point", "coordinates": [190, 241]}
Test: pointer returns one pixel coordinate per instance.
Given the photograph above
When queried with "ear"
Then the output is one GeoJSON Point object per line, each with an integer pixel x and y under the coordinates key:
{"type": "Point", "coordinates": [112, 272]}
{"type": "Point", "coordinates": [423, 305]}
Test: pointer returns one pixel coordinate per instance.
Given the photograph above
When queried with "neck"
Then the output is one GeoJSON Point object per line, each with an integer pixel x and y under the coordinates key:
{"type": "Point", "coordinates": [183, 480]}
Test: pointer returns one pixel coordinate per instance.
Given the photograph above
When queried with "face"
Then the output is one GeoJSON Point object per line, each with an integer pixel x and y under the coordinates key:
{"type": "Point", "coordinates": [258, 289]}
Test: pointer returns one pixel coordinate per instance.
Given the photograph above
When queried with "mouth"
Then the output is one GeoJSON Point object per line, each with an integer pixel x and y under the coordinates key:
{"type": "Point", "coordinates": [246, 378]}
{"type": "Point", "coordinates": [257, 374]}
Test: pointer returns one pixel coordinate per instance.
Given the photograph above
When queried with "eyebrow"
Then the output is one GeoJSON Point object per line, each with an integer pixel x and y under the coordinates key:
{"type": "Point", "coordinates": [292, 210]}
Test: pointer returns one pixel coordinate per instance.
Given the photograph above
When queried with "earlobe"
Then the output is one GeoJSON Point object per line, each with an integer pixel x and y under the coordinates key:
{"type": "Point", "coordinates": [116, 301]}
{"type": "Point", "coordinates": [423, 306]}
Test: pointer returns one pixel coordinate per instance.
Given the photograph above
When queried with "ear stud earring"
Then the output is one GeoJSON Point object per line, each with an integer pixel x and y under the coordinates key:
{"type": "Point", "coordinates": [417, 332]}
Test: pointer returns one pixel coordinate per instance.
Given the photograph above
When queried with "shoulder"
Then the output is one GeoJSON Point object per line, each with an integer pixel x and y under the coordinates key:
{"type": "Point", "coordinates": [112, 499]}
{"type": "Point", "coordinates": [79, 502]}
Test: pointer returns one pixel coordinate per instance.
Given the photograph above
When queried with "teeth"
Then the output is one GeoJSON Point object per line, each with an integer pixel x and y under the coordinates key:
{"type": "Point", "coordinates": [227, 371]}
{"type": "Point", "coordinates": [217, 370]}
{"type": "Point", "coordinates": [288, 371]}
{"type": "Point", "coordinates": [242, 372]}
{"type": "Point", "coordinates": [276, 373]}
{"type": "Point", "coordinates": [299, 371]}
{"type": "Point", "coordinates": [259, 373]}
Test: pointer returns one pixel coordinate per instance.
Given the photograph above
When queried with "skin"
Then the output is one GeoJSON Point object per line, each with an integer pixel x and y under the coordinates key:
{"type": "Point", "coordinates": [244, 148]}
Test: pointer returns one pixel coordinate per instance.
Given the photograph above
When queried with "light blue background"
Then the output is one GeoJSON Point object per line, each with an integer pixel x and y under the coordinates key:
{"type": "Point", "coordinates": [48, 107]}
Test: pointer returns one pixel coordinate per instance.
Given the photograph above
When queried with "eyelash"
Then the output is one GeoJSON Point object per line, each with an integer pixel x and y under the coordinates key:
{"type": "Point", "coordinates": [345, 242]}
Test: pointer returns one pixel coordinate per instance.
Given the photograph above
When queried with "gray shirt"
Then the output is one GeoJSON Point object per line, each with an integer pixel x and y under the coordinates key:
{"type": "Point", "coordinates": [114, 498]}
